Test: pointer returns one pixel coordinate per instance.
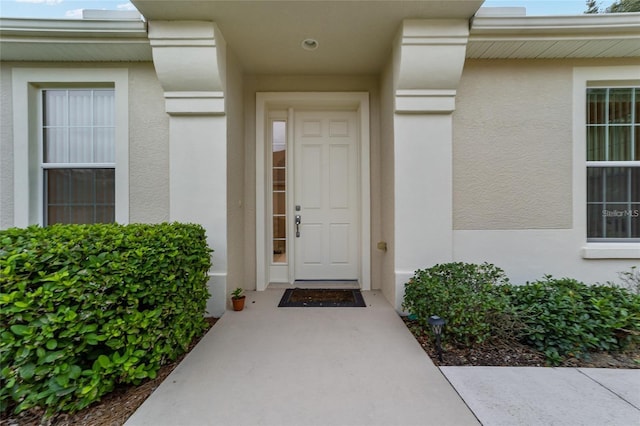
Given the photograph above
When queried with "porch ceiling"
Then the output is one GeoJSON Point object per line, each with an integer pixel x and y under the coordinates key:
{"type": "Point", "coordinates": [354, 37]}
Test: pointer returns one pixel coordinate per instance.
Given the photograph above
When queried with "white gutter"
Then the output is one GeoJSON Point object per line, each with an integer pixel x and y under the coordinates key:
{"type": "Point", "coordinates": [65, 28]}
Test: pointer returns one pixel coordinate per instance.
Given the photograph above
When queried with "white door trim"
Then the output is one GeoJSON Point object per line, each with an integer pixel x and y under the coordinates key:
{"type": "Point", "coordinates": [356, 101]}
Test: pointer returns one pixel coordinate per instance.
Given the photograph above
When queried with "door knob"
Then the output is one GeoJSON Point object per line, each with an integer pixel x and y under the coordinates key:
{"type": "Point", "coordinates": [298, 222]}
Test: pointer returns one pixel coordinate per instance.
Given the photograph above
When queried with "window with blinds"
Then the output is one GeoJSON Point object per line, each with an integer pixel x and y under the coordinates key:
{"type": "Point", "coordinates": [78, 155]}
{"type": "Point", "coordinates": [613, 164]}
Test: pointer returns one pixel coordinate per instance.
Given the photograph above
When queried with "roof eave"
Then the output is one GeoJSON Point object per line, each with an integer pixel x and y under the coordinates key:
{"type": "Point", "coordinates": [37, 39]}
{"type": "Point", "coordinates": [72, 28]}
{"type": "Point", "coordinates": [537, 37]}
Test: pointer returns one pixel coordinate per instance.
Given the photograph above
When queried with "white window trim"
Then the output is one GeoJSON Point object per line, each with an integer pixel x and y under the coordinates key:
{"type": "Point", "coordinates": [584, 77]}
{"type": "Point", "coordinates": [27, 84]}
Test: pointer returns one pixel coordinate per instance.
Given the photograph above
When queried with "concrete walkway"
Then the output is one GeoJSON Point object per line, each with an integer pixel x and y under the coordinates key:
{"type": "Point", "coordinates": [513, 396]}
{"type": "Point", "coordinates": [361, 366]}
{"type": "Point", "coordinates": [306, 366]}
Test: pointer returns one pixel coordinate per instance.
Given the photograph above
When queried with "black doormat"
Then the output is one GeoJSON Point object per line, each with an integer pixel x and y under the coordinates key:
{"type": "Point", "coordinates": [321, 298]}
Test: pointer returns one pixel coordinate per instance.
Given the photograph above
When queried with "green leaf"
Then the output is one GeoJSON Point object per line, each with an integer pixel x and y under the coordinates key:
{"type": "Point", "coordinates": [104, 361]}
{"type": "Point", "coordinates": [20, 330]}
{"type": "Point", "coordinates": [89, 328]}
{"type": "Point", "coordinates": [42, 370]}
{"type": "Point", "coordinates": [27, 371]}
{"type": "Point", "coordinates": [66, 391]}
{"type": "Point", "coordinates": [92, 338]}
{"type": "Point", "coordinates": [24, 405]}
{"type": "Point", "coordinates": [62, 380]}
{"type": "Point", "coordinates": [51, 344]}
{"type": "Point", "coordinates": [119, 360]}
{"type": "Point", "coordinates": [75, 372]}
{"type": "Point", "coordinates": [53, 356]}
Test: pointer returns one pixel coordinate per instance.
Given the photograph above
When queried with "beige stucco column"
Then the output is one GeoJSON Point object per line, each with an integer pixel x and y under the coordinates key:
{"type": "Point", "coordinates": [189, 58]}
{"type": "Point", "coordinates": [428, 60]}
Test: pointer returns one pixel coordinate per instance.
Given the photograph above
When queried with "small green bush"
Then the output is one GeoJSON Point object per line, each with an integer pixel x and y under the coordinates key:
{"type": "Point", "coordinates": [564, 317]}
{"type": "Point", "coordinates": [470, 297]}
{"type": "Point", "coordinates": [86, 307]}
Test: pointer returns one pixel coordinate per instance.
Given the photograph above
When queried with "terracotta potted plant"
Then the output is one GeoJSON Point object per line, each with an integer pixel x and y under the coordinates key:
{"type": "Point", "coordinates": [237, 298]}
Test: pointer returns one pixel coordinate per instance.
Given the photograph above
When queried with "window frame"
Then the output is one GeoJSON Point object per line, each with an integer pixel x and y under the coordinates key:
{"type": "Point", "coordinates": [27, 87]}
{"type": "Point", "coordinates": [279, 117]}
{"type": "Point", "coordinates": [584, 78]}
{"type": "Point", "coordinates": [604, 164]}
{"type": "Point", "coordinates": [45, 166]}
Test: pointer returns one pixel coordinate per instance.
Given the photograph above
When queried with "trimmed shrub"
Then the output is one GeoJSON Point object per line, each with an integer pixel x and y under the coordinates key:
{"type": "Point", "coordinates": [470, 297]}
{"type": "Point", "coordinates": [564, 317]}
{"type": "Point", "coordinates": [86, 307]}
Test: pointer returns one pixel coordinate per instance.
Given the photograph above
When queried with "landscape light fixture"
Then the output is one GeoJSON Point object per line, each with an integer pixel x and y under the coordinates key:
{"type": "Point", "coordinates": [437, 324]}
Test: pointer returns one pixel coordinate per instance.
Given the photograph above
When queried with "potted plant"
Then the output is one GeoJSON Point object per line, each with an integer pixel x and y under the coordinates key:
{"type": "Point", "coordinates": [237, 298]}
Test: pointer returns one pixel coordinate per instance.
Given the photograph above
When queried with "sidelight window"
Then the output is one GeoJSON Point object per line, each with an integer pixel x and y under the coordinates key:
{"type": "Point", "coordinates": [279, 190]}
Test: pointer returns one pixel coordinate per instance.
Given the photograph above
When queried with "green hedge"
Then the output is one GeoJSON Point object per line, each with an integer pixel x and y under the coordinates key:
{"type": "Point", "coordinates": [86, 307]}
{"type": "Point", "coordinates": [564, 317]}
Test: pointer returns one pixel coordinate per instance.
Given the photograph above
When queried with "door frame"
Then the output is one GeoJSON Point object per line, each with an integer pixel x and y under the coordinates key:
{"type": "Point", "coordinates": [269, 101]}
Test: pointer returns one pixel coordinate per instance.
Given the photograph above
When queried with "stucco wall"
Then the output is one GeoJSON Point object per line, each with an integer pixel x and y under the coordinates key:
{"type": "Point", "coordinates": [529, 255]}
{"type": "Point", "coordinates": [514, 172]}
{"type": "Point", "coordinates": [148, 147]}
{"type": "Point", "coordinates": [6, 148]}
{"type": "Point", "coordinates": [309, 83]}
{"type": "Point", "coordinates": [512, 146]}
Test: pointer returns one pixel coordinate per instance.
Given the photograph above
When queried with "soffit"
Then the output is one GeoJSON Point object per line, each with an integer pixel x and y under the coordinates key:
{"type": "Point", "coordinates": [356, 45]}
{"type": "Point", "coordinates": [73, 40]}
{"type": "Point", "coordinates": [354, 37]}
{"type": "Point", "coordinates": [556, 37]}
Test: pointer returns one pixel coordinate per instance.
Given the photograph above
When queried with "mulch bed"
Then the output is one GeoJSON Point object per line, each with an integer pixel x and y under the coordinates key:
{"type": "Point", "coordinates": [113, 409]}
{"type": "Point", "coordinates": [513, 354]}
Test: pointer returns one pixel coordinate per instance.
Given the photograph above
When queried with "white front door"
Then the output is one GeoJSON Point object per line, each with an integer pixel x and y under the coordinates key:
{"type": "Point", "coordinates": [326, 195]}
